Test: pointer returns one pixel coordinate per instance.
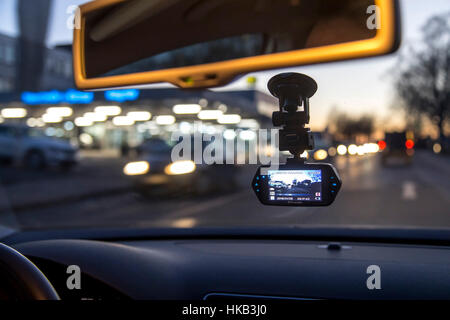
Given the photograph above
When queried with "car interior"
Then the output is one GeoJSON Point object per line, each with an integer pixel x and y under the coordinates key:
{"type": "Point", "coordinates": [198, 265]}
{"type": "Point", "coordinates": [302, 227]}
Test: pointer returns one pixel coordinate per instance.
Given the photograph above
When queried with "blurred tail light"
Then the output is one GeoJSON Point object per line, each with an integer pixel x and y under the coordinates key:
{"type": "Point", "coordinates": [409, 144]}
{"type": "Point", "coordinates": [382, 144]}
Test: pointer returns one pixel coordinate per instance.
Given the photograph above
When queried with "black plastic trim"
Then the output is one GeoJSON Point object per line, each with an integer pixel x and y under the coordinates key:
{"type": "Point", "coordinates": [324, 233]}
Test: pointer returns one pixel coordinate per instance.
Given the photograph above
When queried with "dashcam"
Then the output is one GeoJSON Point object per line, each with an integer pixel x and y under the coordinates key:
{"type": "Point", "coordinates": [296, 183]}
{"type": "Point", "coordinates": [306, 185]}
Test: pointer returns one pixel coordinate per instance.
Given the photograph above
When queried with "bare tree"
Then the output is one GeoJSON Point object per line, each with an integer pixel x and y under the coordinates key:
{"type": "Point", "coordinates": [423, 74]}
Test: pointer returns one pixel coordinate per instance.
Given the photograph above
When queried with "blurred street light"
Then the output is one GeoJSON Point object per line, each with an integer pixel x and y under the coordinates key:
{"type": "Point", "coordinates": [109, 110]}
{"type": "Point", "coordinates": [123, 121]}
{"type": "Point", "coordinates": [14, 113]}
{"type": "Point", "coordinates": [139, 115]}
{"type": "Point", "coordinates": [52, 118]}
{"type": "Point", "coordinates": [229, 119]}
{"type": "Point", "coordinates": [165, 120]}
{"type": "Point", "coordinates": [187, 109]}
{"type": "Point", "coordinates": [95, 117]}
{"type": "Point", "coordinates": [83, 122]}
{"type": "Point", "coordinates": [60, 111]}
{"type": "Point", "coordinates": [209, 114]}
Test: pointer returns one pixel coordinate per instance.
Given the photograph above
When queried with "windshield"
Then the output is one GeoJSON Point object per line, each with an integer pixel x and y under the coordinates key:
{"type": "Point", "coordinates": [118, 158]}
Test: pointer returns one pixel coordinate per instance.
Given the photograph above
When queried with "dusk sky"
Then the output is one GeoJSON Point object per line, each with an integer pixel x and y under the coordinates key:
{"type": "Point", "coordinates": [354, 86]}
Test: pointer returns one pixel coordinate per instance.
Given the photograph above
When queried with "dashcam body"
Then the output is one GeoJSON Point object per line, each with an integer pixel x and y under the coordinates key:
{"type": "Point", "coordinates": [297, 184]}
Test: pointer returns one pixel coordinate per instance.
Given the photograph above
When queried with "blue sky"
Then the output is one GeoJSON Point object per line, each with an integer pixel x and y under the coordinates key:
{"type": "Point", "coordinates": [355, 86]}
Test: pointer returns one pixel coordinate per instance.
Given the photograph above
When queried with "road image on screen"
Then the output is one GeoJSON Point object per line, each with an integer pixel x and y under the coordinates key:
{"type": "Point", "coordinates": [295, 185]}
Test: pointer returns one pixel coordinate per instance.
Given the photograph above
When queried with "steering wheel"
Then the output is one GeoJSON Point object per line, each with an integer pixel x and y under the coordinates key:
{"type": "Point", "coordinates": [23, 278]}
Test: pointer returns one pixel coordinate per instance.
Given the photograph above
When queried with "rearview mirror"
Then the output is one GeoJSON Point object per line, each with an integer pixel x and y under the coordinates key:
{"type": "Point", "coordinates": [207, 43]}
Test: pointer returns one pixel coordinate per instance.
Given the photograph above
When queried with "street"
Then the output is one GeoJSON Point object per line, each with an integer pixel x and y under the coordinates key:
{"type": "Point", "coordinates": [372, 195]}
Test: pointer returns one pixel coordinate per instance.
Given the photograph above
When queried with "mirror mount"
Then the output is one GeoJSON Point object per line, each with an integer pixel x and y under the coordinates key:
{"type": "Point", "coordinates": [293, 90]}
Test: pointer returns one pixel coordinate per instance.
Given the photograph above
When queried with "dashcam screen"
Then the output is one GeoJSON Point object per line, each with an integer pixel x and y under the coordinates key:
{"type": "Point", "coordinates": [295, 185]}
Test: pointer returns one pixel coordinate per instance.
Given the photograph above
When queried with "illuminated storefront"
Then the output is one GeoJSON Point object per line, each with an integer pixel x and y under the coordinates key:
{"type": "Point", "coordinates": [110, 119]}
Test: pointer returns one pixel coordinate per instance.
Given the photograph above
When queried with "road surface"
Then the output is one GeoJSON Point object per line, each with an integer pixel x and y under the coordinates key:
{"type": "Point", "coordinates": [372, 195]}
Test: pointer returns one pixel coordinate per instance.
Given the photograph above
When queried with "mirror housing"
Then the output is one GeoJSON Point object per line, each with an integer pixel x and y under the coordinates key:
{"type": "Point", "coordinates": [100, 29]}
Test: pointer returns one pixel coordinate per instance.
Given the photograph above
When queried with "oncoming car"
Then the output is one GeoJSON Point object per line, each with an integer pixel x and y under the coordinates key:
{"type": "Point", "coordinates": [154, 173]}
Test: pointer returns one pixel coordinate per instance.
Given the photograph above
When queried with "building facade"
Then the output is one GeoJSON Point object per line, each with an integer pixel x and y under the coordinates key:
{"type": "Point", "coordinates": [56, 69]}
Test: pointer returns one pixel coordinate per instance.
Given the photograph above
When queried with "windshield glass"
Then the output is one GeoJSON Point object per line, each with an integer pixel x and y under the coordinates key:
{"type": "Point", "coordinates": [106, 159]}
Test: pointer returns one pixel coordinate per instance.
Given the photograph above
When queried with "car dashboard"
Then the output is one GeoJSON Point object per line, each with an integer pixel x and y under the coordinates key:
{"type": "Point", "coordinates": [201, 269]}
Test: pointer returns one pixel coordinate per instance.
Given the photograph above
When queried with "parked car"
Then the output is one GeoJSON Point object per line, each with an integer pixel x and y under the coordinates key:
{"type": "Point", "coordinates": [30, 147]}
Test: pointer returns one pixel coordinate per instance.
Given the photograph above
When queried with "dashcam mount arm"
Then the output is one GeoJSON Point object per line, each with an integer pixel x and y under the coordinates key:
{"type": "Point", "coordinates": [293, 90]}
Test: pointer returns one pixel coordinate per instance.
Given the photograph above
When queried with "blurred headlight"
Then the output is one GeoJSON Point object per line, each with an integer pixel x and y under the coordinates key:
{"type": "Point", "coordinates": [437, 148]}
{"type": "Point", "coordinates": [366, 148]}
{"type": "Point", "coordinates": [320, 155]}
{"type": "Point", "coordinates": [342, 150]}
{"type": "Point", "coordinates": [136, 168]}
{"type": "Point", "coordinates": [304, 155]}
{"type": "Point", "coordinates": [373, 148]}
{"type": "Point", "coordinates": [332, 151]}
{"type": "Point", "coordinates": [86, 139]}
{"type": "Point", "coordinates": [360, 150]}
{"type": "Point", "coordinates": [180, 167]}
{"type": "Point", "coordinates": [352, 149]}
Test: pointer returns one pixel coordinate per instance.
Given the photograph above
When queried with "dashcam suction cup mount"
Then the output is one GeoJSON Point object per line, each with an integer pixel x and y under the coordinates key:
{"type": "Point", "coordinates": [293, 90]}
